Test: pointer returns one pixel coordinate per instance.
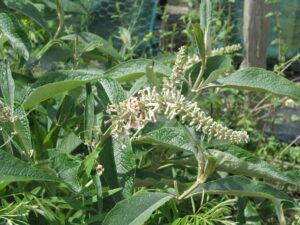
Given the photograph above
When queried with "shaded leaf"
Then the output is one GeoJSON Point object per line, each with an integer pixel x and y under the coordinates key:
{"type": "Point", "coordinates": [199, 38]}
{"type": "Point", "coordinates": [89, 114]}
{"type": "Point", "coordinates": [29, 10]}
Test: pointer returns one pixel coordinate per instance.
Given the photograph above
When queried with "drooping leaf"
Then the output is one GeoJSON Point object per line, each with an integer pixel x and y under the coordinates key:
{"type": "Point", "coordinates": [134, 69]}
{"type": "Point", "coordinates": [7, 85]}
{"type": "Point", "coordinates": [137, 209]}
{"type": "Point", "coordinates": [170, 137]}
{"type": "Point", "coordinates": [28, 9]}
{"type": "Point", "coordinates": [13, 169]}
{"type": "Point", "coordinates": [240, 186]}
{"type": "Point", "coordinates": [14, 33]}
{"type": "Point", "coordinates": [89, 39]}
{"type": "Point", "coordinates": [54, 83]}
{"type": "Point", "coordinates": [236, 160]}
{"type": "Point", "coordinates": [258, 79]}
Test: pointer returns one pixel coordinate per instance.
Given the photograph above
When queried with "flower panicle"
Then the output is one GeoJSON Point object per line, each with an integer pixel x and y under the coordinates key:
{"type": "Point", "coordinates": [178, 69]}
{"type": "Point", "coordinates": [136, 112]}
{"type": "Point", "coordinates": [190, 113]}
{"type": "Point", "coordinates": [226, 50]}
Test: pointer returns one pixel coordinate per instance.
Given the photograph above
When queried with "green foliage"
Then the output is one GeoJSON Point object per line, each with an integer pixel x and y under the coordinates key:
{"type": "Point", "coordinates": [69, 156]}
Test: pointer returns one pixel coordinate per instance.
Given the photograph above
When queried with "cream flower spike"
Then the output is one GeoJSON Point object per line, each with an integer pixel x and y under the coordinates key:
{"type": "Point", "coordinates": [136, 112]}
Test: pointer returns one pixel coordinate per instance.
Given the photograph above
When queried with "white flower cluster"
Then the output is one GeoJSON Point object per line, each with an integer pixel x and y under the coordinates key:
{"type": "Point", "coordinates": [226, 50]}
{"type": "Point", "coordinates": [136, 112]}
{"type": "Point", "coordinates": [5, 113]}
{"type": "Point", "coordinates": [174, 80]}
{"type": "Point", "coordinates": [189, 112]}
{"type": "Point", "coordinates": [133, 113]}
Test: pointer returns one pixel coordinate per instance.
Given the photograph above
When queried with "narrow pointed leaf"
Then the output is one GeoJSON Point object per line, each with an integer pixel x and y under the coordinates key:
{"type": "Point", "coordinates": [236, 160]}
{"type": "Point", "coordinates": [54, 83]}
{"type": "Point", "coordinates": [7, 85]}
{"type": "Point", "coordinates": [88, 39]}
{"type": "Point", "coordinates": [240, 186]}
{"type": "Point", "coordinates": [199, 38]}
{"type": "Point", "coordinates": [89, 115]}
{"type": "Point", "coordinates": [258, 79]}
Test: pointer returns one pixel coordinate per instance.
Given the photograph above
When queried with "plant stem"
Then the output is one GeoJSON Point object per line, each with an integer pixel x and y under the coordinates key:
{"type": "Point", "coordinates": [60, 15]}
{"type": "Point", "coordinates": [189, 190]}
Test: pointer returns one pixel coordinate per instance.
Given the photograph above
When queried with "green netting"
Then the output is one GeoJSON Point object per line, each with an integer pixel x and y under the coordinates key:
{"type": "Point", "coordinates": [289, 21]}
{"type": "Point", "coordinates": [136, 15]}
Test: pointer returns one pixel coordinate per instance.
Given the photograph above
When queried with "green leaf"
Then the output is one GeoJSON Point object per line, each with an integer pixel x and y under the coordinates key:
{"type": "Point", "coordinates": [89, 39]}
{"type": "Point", "coordinates": [14, 33]}
{"type": "Point", "coordinates": [240, 186]}
{"type": "Point", "coordinates": [69, 142]}
{"type": "Point", "coordinates": [137, 209]}
{"type": "Point", "coordinates": [151, 76]}
{"type": "Point", "coordinates": [121, 157]}
{"type": "Point", "coordinates": [89, 114]}
{"type": "Point", "coordinates": [199, 38]}
{"type": "Point", "coordinates": [258, 79]}
{"type": "Point", "coordinates": [236, 160]}
{"type": "Point", "coordinates": [67, 167]}
{"type": "Point", "coordinates": [23, 136]}
{"type": "Point", "coordinates": [170, 137]}
{"type": "Point", "coordinates": [215, 66]}
{"type": "Point", "coordinates": [134, 69]}
{"type": "Point", "coordinates": [13, 169]}
{"type": "Point", "coordinates": [28, 9]}
{"type": "Point", "coordinates": [7, 85]}
{"type": "Point", "coordinates": [125, 163]}
{"type": "Point", "coordinates": [54, 83]}
{"type": "Point", "coordinates": [247, 213]}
